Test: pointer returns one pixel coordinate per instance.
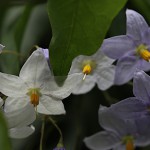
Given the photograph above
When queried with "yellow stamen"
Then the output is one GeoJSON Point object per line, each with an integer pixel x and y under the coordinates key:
{"type": "Point", "coordinates": [142, 51]}
{"type": "Point", "coordinates": [129, 145]}
{"type": "Point", "coordinates": [34, 96]}
{"type": "Point", "coordinates": [145, 54]}
{"type": "Point", "coordinates": [86, 70]}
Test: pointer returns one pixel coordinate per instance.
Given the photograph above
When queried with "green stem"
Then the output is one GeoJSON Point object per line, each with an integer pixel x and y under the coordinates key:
{"type": "Point", "coordinates": [42, 133]}
{"type": "Point", "coordinates": [60, 143]}
{"type": "Point", "coordinates": [11, 52]}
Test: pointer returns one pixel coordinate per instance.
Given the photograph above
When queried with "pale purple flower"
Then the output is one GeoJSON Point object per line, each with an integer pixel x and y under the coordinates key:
{"type": "Point", "coordinates": [119, 134]}
{"type": "Point", "coordinates": [131, 50]}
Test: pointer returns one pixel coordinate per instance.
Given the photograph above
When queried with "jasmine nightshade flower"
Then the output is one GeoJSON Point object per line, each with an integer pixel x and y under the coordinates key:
{"type": "Point", "coordinates": [119, 134]}
{"type": "Point", "coordinates": [138, 106]}
{"type": "Point", "coordinates": [36, 86]}
{"type": "Point", "coordinates": [95, 69]}
{"type": "Point", "coordinates": [131, 50]}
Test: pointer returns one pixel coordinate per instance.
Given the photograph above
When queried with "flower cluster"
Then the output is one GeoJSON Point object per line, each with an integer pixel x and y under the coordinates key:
{"type": "Point", "coordinates": [125, 123]}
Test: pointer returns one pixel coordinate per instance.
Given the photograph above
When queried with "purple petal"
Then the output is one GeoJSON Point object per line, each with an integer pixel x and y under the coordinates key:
{"type": "Point", "coordinates": [146, 37]}
{"type": "Point", "coordinates": [102, 140]}
{"type": "Point", "coordinates": [117, 46]}
{"type": "Point", "coordinates": [113, 123]}
{"type": "Point", "coordinates": [125, 68]}
{"type": "Point", "coordinates": [143, 138]}
{"type": "Point", "coordinates": [129, 108]}
{"type": "Point", "coordinates": [143, 65]}
{"type": "Point", "coordinates": [141, 86]}
{"type": "Point", "coordinates": [136, 24]}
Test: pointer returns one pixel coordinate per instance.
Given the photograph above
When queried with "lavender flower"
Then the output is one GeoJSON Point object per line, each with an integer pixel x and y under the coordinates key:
{"type": "Point", "coordinates": [131, 50]}
{"type": "Point", "coordinates": [119, 134]}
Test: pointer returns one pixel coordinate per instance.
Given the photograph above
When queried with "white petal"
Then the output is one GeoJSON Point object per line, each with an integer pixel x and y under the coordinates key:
{"type": "Point", "coordinates": [77, 64]}
{"type": "Point", "coordinates": [35, 70]}
{"type": "Point", "coordinates": [102, 59]}
{"type": "Point", "coordinates": [105, 77]}
{"type": "Point", "coordinates": [20, 116]}
{"type": "Point", "coordinates": [84, 86]}
{"type": "Point", "coordinates": [68, 86]}
{"type": "Point", "coordinates": [22, 132]}
{"type": "Point", "coordinates": [12, 86]}
{"type": "Point", "coordinates": [1, 102]}
{"type": "Point", "coordinates": [1, 47]}
{"type": "Point", "coordinates": [50, 106]}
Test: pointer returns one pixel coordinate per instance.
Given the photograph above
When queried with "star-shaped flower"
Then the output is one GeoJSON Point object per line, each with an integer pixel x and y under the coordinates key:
{"type": "Point", "coordinates": [95, 69]}
{"type": "Point", "coordinates": [36, 86]}
{"type": "Point", "coordinates": [131, 50]}
{"type": "Point", "coordinates": [1, 47]}
{"type": "Point", "coordinates": [119, 134]}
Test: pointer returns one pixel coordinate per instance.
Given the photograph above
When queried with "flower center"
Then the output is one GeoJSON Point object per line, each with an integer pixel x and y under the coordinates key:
{"type": "Point", "coordinates": [142, 50]}
{"type": "Point", "coordinates": [128, 140]}
{"type": "Point", "coordinates": [34, 94]}
{"type": "Point", "coordinates": [87, 67]}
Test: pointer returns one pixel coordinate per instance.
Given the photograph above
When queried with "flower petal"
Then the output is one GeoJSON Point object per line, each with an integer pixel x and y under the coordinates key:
{"type": "Point", "coordinates": [141, 86]}
{"type": "Point", "coordinates": [12, 86]}
{"type": "Point", "coordinates": [1, 102]}
{"type": "Point", "coordinates": [125, 69]}
{"type": "Point", "coordinates": [143, 65]}
{"type": "Point", "coordinates": [22, 132]}
{"type": "Point", "coordinates": [136, 24]}
{"type": "Point", "coordinates": [113, 123]}
{"type": "Point", "coordinates": [50, 106]}
{"type": "Point", "coordinates": [84, 86]}
{"type": "Point", "coordinates": [35, 71]}
{"type": "Point", "coordinates": [1, 47]}
{"type": "Point", "coordinates": [105, 77]}
{"type": "Point", "coordinates": [18, 116]}
{"type": "Point", "coordinates": [116, 47]}
{"type": "Point", "coordinates": [130, 108]}
{"type": "Point", "coordinates": [69, 85]}
{"type": "Point", "coordinates": [102, 140]}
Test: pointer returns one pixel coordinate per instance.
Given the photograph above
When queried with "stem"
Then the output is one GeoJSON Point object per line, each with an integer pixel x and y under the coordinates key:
{"type": "Point", "coordinates": [60, 143]}
{"type": "Point", "coordinates": [42, 133]}
{"type": "Point", "coordinates": [11, 52]}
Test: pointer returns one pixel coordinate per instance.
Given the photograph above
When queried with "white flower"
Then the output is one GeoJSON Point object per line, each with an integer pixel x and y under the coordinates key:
{"type": "Point", "coordinates": [36, 85]}
{"type": "Point", "coordinates": [95, 69]}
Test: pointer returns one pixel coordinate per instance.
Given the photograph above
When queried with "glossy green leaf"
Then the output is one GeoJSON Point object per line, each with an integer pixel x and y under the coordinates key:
{"type": "Point", "coordinates": [5, 141]}
{"type": "Point", "coordinates": [78, 27]}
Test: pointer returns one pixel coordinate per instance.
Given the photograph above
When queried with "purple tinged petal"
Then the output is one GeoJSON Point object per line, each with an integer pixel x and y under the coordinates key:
{"type": "Point", "coordinates": [143, 138]}
{"type": "Point", "coordinates": [116, 47]}
{"type": "Point", "coordinates": [125, 68]}
{"type": "Point", "coordinates": [113, 123]}
{"type": "Point", "coordinates": [130, 108]}
{"type": "Point", "coordinates": [136, 24]}
{"type": "Point", "coordinates": [141, 86]}
{"type": "Point", "coordinates": [46, 53]}
{"type": "Point", "coordinates": [143, 65]}
{"type": "Point", "coordinates": [102, 140]}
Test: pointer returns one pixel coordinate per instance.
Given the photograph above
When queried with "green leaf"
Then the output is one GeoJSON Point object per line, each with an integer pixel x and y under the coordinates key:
{"type": "Point", "coordinates": [78, 27]}
{"type": "Point", "coordinates": [5, 141]}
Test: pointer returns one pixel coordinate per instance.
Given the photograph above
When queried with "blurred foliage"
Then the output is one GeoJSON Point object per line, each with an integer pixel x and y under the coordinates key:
{"type": "Point", "coordinates": [25, 23]}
